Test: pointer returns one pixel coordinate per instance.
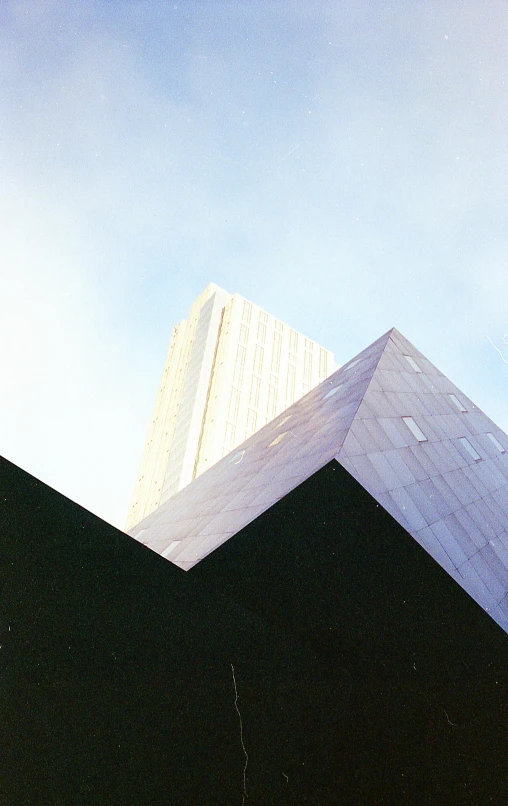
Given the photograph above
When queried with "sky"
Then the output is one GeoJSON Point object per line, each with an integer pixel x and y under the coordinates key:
{"type": "Point", "coordinates": [342, 164]}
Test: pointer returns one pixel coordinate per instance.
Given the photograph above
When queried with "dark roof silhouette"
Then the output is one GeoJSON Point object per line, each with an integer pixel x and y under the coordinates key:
{"type": "Point", "coordinates": [319, 656]}
{"type": "Point", "coordinates": [406, 433]}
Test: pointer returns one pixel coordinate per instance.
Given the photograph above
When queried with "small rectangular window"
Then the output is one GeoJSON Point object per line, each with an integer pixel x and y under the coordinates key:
{"type": "Point", "coordinates": [412, 363]}
{"type": "Point", "coordinates": [467, 445]}
{"type": "Point", "coordinates": [323, 363]}
{"type": "Point", "coordinates": [236, 458]}
{"type": "Point", "coordinates": [307, 367]}
{"type": "Point", "coordinates": [457, 402]}
{"type": "Point", "coordinates": [277, 439]}
{"type": "Point", "coordinates": [290, 385]}
{"type": "Point", "coordinates": [246, 312]}
{"type": "Point", "coordinates": [272, 402]}
{"type": "Point", "coordinates": [244, 334]}
{"type": "Point", "coordinates": [293, 341]}
{"type": "Point", "coordinates": [496, 443]}
{"type": "Point", "coordinates": [239, 364]}
{"type": "Point", "coordinates": [263, 317]}
{"type": "Point", "coordinates": [229, 437]}
{"type": "Point", "coordinates": [278, 326]}
{"type": "Point", "coordinates": [333, 391]}
{"type": "Point", "coordinates": [234, 404]}
{"type": "Point", "coordinates": [415, 430]}
{"type": "Point", "coordinates": [251, 420]}
{"type": "Point", "coordinates": [261, 332]}
{"type": "Point", "coordinates": [172, 546]}
{"type": "Point", "coordinates": [309, 345]}
{"type": "Point", "coordinates": [277, 341]}
{"type": "Point", "coordinates": [254, 392]}
{"type": "Point", "coordinates": [259, 354]}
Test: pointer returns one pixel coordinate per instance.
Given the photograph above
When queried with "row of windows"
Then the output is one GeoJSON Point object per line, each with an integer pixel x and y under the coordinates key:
{"type": "Point", "coordinates": [276, 353]}
{"type": "Point", "coordinates": [418, 433]}
{"type": "Point", "coordinates": [420, 436]}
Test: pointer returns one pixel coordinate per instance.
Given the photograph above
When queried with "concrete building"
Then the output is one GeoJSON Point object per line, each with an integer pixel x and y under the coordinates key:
{"type": "Point", "coordinates": [231, 368]}
{"type": "Point", "coordinates": [419, 446]}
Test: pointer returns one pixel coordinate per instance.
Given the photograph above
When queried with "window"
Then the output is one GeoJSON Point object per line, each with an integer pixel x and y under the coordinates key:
{"type": "Point", "coordinates": [333, 391]}
{"type": "Point", "coordinates": [457, 402]}
{"type": "Point", "coordinates": [415, 430]}
{"type": "Point", "coordinates": [172, 546]}
{"type": "Point", "coordinates": [272, 402]}
{"type": "Point", "coordinates": [309, 345]}
{"type": "Point", "coordinates": [254, 392]}
{"type": "Point", "coordinates": [323, 363]}
{"type": "Point", "coordinates": [307, 367]}
{"type": "Point", "coordinates": [229, 437]}
{"type": "Point", "coordinates": [469, 448]}
{"type": "Point", "coordinates": [247, 310]}
{"type": "Point", "coordinates": [244, 334]}
{"type": "Point", "coordinates": [412, 363]}
{"type": "Point", "coordinates": [278, 326]}
{"type": "Point", "coordinates": [263, 317]}
{"type": "Point", "coordinates": [290, 385]}
{"type": "Point", "coordinates": [239, 364]}
{"type": "Point", "coordinates": [259, 355]}
{"type": "Point", "coordinates": [277, 439]}
{"type": "Point", "coordinates": [277, 341]}
{"type": "Point", "coordinates": [234, 403]}
{"type": "Point", "coordinates": [293, 341]}
{"type": "Point", "coordinates": [251, 420]}
{"type": "Point", "coordinates": [496, 443]}
{"type": "Point", "coordinates": [261, 332]}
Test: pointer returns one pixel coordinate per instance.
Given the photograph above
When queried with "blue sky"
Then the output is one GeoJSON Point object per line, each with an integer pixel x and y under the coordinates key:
{"type": "Point", "coordinates": [342, 164]}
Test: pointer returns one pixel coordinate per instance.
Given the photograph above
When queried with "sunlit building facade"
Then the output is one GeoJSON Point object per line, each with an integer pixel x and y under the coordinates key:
{"type": "Point", "coordinates": [231, 368]}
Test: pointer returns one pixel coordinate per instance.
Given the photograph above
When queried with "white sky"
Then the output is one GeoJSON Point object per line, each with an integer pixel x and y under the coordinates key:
{"type": "Point", "coordinates": [342, 164]}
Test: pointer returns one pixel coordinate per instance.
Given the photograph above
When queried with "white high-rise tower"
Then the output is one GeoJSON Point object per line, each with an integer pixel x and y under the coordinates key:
{"type": "Point", "coordinates": [231, 368]}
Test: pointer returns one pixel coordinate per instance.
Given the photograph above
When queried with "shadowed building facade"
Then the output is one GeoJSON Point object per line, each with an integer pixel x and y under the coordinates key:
{"type": "Point", "coordinates": [231, 368]}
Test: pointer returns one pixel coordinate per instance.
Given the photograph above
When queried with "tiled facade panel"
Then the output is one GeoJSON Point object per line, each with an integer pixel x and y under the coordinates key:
{"type": "Point", "coordinates": [254, 476]}
{"type": "Point", "coordinates": [452, 503]}
{"type": "Point", "coordinates": [456, 507]}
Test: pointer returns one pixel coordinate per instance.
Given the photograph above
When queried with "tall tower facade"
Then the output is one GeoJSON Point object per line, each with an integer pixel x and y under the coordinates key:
{"type": "Point", "coordinates": [231, 368]}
